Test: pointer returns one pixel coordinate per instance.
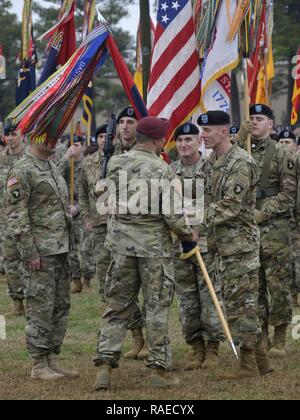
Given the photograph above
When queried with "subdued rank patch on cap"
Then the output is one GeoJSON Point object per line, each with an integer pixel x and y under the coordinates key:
{"type": "Point", "coordinates": [238, 189]}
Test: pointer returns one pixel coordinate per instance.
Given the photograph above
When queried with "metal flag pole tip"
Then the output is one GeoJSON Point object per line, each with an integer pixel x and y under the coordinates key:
{"type": "Point", "coordinates": [234, 349]}
{"type": "Point", "coordinates": [100, 16]}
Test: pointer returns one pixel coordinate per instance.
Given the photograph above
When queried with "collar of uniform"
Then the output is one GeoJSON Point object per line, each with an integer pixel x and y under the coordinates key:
{"type": "Point", "coordinates": [140, 148]}
{"type": "Point", "coordinates": [259, 144]}
{"type": "Point", "coordinates": [221, 161]}
{"type": "Point", "coordinates": [181, 166]}
{"type": "Point", "coordinates": [41, 164]}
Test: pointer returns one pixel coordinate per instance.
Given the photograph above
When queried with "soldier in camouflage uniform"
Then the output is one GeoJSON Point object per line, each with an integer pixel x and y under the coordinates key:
{"type": "Point", "coordinates": [81, 257]}
{"type": "Point", "coordinates": [127, 122]}
{"type": "Point", "coordinates": [93, 222]}
{"type": "Point", "coordinates": [39, 222]}
{"type": "Point", "coordinates": [274, 206]}
{"type": "Point", "coordinates": [201, 326]}
{"type": "Point", "coordinates": [229, 214]}
{"type": "Point", "coordinates": [288, 138]}
{"type": "Point", "coordinates": [141, 246]}
{"type": "Point", "coordinates": [9, 259]}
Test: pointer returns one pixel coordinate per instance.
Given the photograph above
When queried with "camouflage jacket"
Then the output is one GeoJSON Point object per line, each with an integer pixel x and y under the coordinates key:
{"type": "Point", "coordinates": [230, 199]}
{"type": "Point", "coordinates": [90, 174]}
{"type": "Point", "coordinates": [37, 214]}
{"type": "Point", "coordinates": [6, 161]}
{"type": "Point", "coordinates": [281, 182]}
{"type": "Point", "coordinates": [193, 172]}
{"type": "Point", "coordinates": [142, 235]}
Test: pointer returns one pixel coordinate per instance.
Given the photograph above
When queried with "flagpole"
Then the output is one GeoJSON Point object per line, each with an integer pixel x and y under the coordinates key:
{"type": "Point", "coordinates": [246, 101]}
{"type": "Point", "coordinates": [145, 30]}
{"type": "Point", "coordinates": [72, 166]}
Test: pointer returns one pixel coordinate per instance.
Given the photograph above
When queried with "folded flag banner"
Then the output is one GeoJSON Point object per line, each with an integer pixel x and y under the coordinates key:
{"type": "Point", "coordinates": [2, 65]}
{"type": "Point", "coordinates": [296, 92]}
{"type": "Point", "coordinates": [45, 114]}
{"type": "Point", "coordinates": [62, 37]}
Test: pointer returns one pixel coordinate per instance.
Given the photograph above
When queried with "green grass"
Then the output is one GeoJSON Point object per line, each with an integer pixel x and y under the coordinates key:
{"type": "Point", "coordinates": [131, 380]}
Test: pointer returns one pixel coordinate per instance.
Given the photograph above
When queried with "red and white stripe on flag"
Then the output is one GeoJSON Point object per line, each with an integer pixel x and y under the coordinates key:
{"type": "Point", "coordinates": [174, 86]}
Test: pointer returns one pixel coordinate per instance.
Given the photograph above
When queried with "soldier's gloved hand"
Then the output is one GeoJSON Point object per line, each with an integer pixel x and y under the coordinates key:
{"type": "Point", "coordinates": [245, 130]}
{"type": "Point", "coordinates": [34, 264]}
{"type": "Point", "coordinates": [74, 210]}
{"type": "Point", "coordinates": [259, 217]}
{"type": "Point", "coordinates": [189, 250]}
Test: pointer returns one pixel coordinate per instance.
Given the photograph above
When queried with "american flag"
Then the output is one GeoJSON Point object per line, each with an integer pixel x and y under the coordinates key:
{"type": "Point", "coordinates": [174, 86]}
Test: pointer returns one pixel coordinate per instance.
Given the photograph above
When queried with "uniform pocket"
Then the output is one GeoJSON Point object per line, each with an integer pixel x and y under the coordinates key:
{"type": "Point", "coordinates": [167, 291]}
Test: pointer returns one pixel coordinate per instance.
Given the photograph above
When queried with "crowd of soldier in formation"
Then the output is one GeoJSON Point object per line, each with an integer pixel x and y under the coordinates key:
{"type": "Point", "coordinates": [249, 237]}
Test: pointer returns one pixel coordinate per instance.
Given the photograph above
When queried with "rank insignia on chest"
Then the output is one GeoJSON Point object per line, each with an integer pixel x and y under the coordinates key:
{"type": "Point", "coordinates": [290, 165]}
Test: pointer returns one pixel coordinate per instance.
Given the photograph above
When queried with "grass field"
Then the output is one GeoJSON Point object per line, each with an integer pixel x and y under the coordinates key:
{"type": "Point", "coordinates": [131, 380]}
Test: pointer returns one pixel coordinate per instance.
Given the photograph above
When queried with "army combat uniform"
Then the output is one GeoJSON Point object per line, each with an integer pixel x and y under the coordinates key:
{"type": "Point", "coordinates": [295, 235]}
{"type": "Point", "coordinates": [275, 200]}
{"type": "Point", "coordinates": [197, 312]}
{"type": "Point", "coordinates": [12, 266]}
{"type": "Point", "coordinates": [39, 222]}
{"type": "Point", "coordinates": [230, 191]}
{"type": "Point", "coordinates": [141, 247]}
{"type": "Point", "coordinates": [87, 202]}
{"type": "Point", "coordinates": [81, 257]}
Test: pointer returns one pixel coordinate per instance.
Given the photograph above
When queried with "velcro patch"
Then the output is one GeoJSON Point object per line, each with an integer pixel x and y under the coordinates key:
{"type": "Point", "coordinates": [12, 182]}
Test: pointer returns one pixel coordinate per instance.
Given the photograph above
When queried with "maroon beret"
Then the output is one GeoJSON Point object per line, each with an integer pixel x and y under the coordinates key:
{"type": "Point", "coordinates": [154, 128]}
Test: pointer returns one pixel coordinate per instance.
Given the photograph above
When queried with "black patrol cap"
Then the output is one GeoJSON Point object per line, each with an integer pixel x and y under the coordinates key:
{"type": "Point", "coordinates": [127, 112]}
{"type": "Point", "coordinates": [186, 129]}
{"type": "Point", "coordinates": [9, 127]}
{"type": "Point", "coordinates": [286, 134]}
{"type": "Point", "coordinates": [234, 130]}
{"type": "Point", "coordinates": [214, 118]}
{"type": "Point", "coordinates": [101, 130]}
{"type": "Point", "coordinates": [261, 109]}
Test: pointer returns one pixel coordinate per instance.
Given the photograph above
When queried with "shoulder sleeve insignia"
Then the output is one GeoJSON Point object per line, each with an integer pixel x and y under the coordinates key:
{"type": "Point", "coordinates": [12, 182]}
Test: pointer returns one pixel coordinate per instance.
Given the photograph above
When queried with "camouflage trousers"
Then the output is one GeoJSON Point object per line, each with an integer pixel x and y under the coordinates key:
{"type": "Point", "coordinates": [15, 272]}
{"type": "Point", "coordinates": [126, 277]}
{"type": "Point", "coordinates": [81, 257]}
{"type": "Point", "coordinates": [102, 257]}
{"type": "Point", "coordinates": [239, 274]}
{"type": "Point", "coordinates": [275, 275]}
{"type": "Point", "coordinates": [295, 242]}
{"type": "Point", "coordinates": [47, 306]}
{"type": "Point", "coordinates": [198, 314]}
